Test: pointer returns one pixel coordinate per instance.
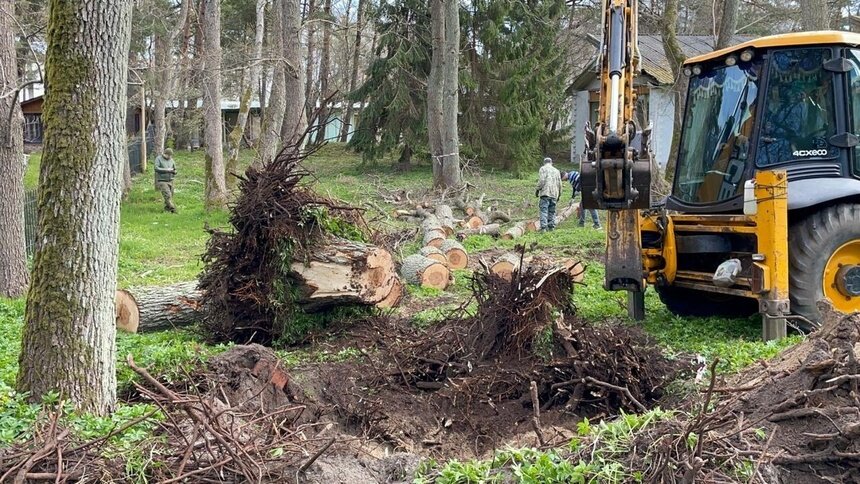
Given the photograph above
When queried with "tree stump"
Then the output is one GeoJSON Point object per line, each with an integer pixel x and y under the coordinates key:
{"type": "Point", "coordinates": [425, 272]}
{"type": "Point", "coordinates": [455, 253]}
{"type": "Point", "coordinates": [143, 309]}
{"type": "Point", "coordinates": [346, 272]}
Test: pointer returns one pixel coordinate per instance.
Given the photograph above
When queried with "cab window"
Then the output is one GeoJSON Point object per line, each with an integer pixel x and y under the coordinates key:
{"type": "Point", "coordinates": [854, 98]}
{"type": "Point", "coordinates": [799, 116]}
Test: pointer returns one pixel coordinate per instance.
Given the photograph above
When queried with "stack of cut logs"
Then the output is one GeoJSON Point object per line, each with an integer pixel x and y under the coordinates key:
{"type": "Point", "coordinates": [432, 265]}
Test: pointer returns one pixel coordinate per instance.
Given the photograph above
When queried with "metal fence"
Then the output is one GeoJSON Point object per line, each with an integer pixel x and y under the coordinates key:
{"type": "Point", "coordinates": [30, 220]}
{"type": "Point", "coordinates": [31, 200]}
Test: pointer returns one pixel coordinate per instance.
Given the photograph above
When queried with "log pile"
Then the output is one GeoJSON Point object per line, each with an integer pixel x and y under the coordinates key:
{"type": "Point", "coordinates": [521, 228]}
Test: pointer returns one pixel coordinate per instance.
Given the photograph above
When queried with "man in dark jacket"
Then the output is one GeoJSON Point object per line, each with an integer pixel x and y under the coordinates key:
{"type": "Point", "coordinates": [165, 170]}
{"type": "Point", "coordinates": [575, 181]}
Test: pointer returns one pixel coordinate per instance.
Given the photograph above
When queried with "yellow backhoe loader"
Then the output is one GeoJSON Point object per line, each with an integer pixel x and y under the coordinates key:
{"type": "Point", "coordinates": [764, 214]}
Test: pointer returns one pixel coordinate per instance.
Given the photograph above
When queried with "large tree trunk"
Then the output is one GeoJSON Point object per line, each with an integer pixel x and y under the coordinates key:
{"type": "Point", "coordinates": [213, 126]}
{"type": "Point", "coordinates": [346, 272]}
{"type": "Point", "coordinates": [814, 15]}
{"type": "Point", "coordinates": [728, 24]}
{"type": "Point", "coordinates": [442, 91]}
{"type": "Point", "coordinates": [672, 49]}
{"type": "Point", "coordinates": [249, 83]}
{"type": "Point", "coordinates": [294, 119]}
{"type": "Point", "coordinates": [325, 74]}
{"type": "Point", "coordinates": [13, 257]}
{"type": "Point", "coordinates": [274, 115]}
{"type": "Point", "coordinates": [68, 344]}
{"type": "Point", "coordinates": [163, 86]}
{"type": "Point", "coordinates": [143, 309]}
{"type": "Point", "coordinates": [353, 76]}
{"type": "Point", "coordinates": [310, 85]}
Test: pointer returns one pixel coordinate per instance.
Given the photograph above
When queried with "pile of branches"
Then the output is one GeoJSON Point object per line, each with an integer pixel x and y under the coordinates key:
{"type": "Point", "coordinates": [276, 218]}
{"type": "Point", "coordinates": [495, 353]}
{"type": "Point", "coordinates": [213, 433]}
{"type": "Point", "coordinates": [794, 419]}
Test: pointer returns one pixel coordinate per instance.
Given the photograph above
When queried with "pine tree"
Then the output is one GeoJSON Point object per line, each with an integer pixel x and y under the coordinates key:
{"type": "Point", "coordinates": [394, 117]}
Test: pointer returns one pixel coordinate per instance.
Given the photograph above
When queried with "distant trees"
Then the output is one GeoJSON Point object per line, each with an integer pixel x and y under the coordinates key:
{"type": "Point", "coordinates": [68, 344]}
{"type": "Point", "coordinates": [13, 258]}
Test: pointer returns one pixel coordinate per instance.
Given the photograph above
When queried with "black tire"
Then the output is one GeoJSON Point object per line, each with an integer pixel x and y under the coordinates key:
{"type": "Point", "coordinates": [690, 302]}
{"type": "Point", "coordinates": [811, 242]}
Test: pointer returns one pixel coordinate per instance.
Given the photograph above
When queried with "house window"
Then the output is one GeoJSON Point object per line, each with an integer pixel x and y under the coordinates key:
{"type": "Point", "coordinates": [641, 108]}
{"type": "Point", "coordinates": [33, 128]}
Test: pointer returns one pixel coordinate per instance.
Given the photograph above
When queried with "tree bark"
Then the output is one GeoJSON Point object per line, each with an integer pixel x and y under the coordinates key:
{"type": "Point", "coordinates": [325, 73]}
{"type": "Point", "coordinates": [310, 96]}
{"type": "Point", "coordinates": [294, 119]}
{"type": "Point", "coordinates": [457, 256]}
{"type": "Point", "coordinates": [213, 126]}
{"type": "Point", "coordinates": [353, 76]}
{"type": "Point", "coordinates": [728, 24]}
{"type": "Point", "coordinates": [274, 115]}
{"type": "Point", "coordinates": [145, 309]}
{"type": "Point", "coordinates": [814, 15]}
{"type": "Point", "coordinates": [249, 83]}
{"type": "Point", "coordinates": [13, 256]}
{"type": "Point", "coordinates": [68, 344]}
{"type": "Point", "coordinates": [442, 94]}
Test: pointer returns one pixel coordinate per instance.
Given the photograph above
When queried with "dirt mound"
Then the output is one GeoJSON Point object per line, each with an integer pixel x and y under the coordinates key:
{"type": "Point", "coordinates": [521, 368]}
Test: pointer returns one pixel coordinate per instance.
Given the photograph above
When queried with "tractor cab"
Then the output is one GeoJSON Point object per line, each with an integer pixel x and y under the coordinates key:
{"type": "Point", "coordinates": [785, 102]}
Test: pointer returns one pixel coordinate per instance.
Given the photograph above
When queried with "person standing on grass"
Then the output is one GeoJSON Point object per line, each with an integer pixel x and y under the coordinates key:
{"type": "Point", "coordinates": [549, 191]}
{"type": "Point", "coordinates": [575, 181]}
{"type": "Point", "coordinates": [165, 170]}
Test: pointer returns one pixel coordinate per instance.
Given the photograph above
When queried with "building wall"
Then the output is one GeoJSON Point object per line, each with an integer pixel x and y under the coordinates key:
{"type": "Point", "coordinates": [578, 118]}
{"type": "Point", "coordinates": [662, 111]}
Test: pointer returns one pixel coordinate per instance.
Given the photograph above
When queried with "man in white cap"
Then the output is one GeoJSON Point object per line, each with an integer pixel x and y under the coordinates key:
{"type": "Point", "coordinates": [549, 191]}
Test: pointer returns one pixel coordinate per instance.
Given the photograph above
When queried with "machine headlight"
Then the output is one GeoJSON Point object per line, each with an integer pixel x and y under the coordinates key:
{"type": "Point", "coordinates": [747, 55]}
{"type": "Point", "coordinates": [688, 72]}
{"type": "Point", "coordinates": [697, 70]}
{"type": "Point", "coordinates": [731, 60]}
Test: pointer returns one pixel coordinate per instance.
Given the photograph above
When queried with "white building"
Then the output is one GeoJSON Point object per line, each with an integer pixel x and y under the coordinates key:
{"type": "Point", "coordinates": [655, 103]}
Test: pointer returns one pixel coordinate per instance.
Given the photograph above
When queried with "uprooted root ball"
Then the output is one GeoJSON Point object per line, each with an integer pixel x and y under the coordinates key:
{"type": "Point", "coordinates": [277, 218]}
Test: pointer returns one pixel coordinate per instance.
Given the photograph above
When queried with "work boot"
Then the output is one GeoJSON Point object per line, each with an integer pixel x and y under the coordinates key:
{"type": "Point", "coordinates": [581, 224]}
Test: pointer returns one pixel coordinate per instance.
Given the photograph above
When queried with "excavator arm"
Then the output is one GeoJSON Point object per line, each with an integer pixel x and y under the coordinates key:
{"type": "Point", "coordinates": [614, 177]}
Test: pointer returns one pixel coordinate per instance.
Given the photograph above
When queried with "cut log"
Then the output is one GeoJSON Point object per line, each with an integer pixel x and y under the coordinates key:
{"type": "Point", "coordinates": [497, 216]}
{"type": "Point", "coordinates": [455, 253]}
{"type": "Point", "coordinates": [345, 272]}
{"type": "Point", "coordinates": [506, 265]}
{"type": "Point", "coordinates": [576, 269]}
{"type": "Point", "coordinates": [393, 298]}
{"type": "Point", "coordinates": [434, 238]}
{"type": "Point", "coordinates": [491, 229]}
{"type": "Point", "coordinates": [444, 212]}
{"type": "Point", "coordinates": [142, 309]}
{"type": "Point", "coordinates": [518, 230]}
{"type": "Point", "coordinates": [434, 253]}
{"type": "Point", "coordinates": [432, 222]}
{"type": "Point", "coordinates": [473, 222]}
{"type": "Point", "coordinates": [425, 272]}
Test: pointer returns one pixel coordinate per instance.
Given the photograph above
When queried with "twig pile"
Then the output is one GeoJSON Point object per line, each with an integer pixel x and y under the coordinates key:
{"type": "Point", "coordinates": [246, 426]}
{"type": "Point", "coordinates": [275, 219]}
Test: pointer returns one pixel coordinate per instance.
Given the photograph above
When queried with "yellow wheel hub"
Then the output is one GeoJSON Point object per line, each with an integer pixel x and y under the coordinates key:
{"type": "Point", "coordinates": [842, 277]}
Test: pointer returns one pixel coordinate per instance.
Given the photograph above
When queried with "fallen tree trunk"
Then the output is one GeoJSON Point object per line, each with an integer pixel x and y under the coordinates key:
{"type": "Point", "coordinates": [455, 253]}
{"type": "Point", "coordinates": [425, 272]}
{"type": "Point", "coordinates": [491, 229]}
{"type": "Point", "coordinates": [346, 272]}
{"type": "Point", "coordinates": [507, 264]}
{"type": "Point", "coordinates": [143, 309]}
{"type": "Point", "coordinates": [521, 228]}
